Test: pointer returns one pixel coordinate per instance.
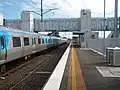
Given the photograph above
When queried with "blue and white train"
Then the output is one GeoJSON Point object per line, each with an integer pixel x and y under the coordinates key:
{"type": "Point", "coordinates": [16, 44]}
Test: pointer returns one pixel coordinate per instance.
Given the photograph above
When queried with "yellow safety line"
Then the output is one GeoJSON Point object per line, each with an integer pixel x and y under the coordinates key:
{"type": "Point", "coordinates": [79, 76]}
{"type": "Point", "coordinates": [75, 77]}
{"type": "Point", "coordinates": [73, 72]}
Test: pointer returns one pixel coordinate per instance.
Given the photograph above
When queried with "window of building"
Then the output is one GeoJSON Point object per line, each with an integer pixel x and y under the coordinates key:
{"type": "Point", "coordinates": [16, 41]}
{"type": "Point", "coordinates": [84, 13]}
{"type": "Point", "coordinates": [26, 41]}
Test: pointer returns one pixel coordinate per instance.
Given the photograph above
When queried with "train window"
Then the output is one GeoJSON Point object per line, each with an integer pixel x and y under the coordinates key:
{"type": "Point", "coordinates": [34, 41]}
{"type": "Point", "coordinates": [1, 42]}
{"type": "Point", "coordinates": [26, 41]}
{"type": "Point", "coordinates": [39, 41]}
{"type": "Point", "coordinates": [48, 40]}
{"type": "Point", "coordinates": [16, 41]}
{"type": "Point", "coordinates": [42, 41]}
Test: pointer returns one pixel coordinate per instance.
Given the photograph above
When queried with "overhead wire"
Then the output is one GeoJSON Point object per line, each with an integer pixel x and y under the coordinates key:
{"type": "Point", "coordinates": [84, 4]}
{"type": "Point", "coordinates": [4, 4]}
{"type": "Point", "coordinates": [35, 4]}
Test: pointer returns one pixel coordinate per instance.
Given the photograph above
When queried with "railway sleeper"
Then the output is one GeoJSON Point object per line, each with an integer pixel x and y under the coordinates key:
{"type": "Point", "coordinates": [3, 68]}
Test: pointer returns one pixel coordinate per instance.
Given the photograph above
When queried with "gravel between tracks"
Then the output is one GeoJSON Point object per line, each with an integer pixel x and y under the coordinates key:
{"type": "Point", "coordinates": [34, 74]}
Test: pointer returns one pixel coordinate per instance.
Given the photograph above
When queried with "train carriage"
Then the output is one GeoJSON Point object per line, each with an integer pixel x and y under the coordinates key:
{"type": "Point", "coordinates": [76, 41]}
{"type": "Point", "coordinates": [16, 44]}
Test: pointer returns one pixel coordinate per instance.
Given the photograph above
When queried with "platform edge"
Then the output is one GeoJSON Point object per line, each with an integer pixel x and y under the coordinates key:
{"type": "Point", "coordinates": [55, 79]}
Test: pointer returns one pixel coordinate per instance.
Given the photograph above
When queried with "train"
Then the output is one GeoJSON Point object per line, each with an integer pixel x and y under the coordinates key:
{"type": "Point", "coordinates": [15, 44]}
{"type": "Point", "coordinates": [76, 41]}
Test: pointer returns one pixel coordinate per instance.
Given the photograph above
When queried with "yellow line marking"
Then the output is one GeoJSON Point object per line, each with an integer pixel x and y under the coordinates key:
{"type": "Point", "coordinates": [73, 72]}
{"type": "Point", "coordinates": [79, 82]}
{"type": "Point", "coordinates": [75, 77]}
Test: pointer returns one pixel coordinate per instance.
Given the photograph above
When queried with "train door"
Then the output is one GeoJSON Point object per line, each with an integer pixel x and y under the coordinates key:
{"type": "Point", "coordinates": [2, 49]}
{"type": "Point", "coordinates": [34, 44]}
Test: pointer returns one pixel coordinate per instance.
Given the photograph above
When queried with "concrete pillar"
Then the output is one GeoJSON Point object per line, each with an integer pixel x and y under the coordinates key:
{"type": "Point", "coordinates": [85, 20]}
{"type": "Point", "coordinates": [1, 18]}
{"type": "Point", "coordinates": [27, 21]}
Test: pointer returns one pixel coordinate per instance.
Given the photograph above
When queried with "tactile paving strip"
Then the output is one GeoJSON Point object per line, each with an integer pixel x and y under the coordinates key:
{"type": "Point", "coordinates": [109, 71]}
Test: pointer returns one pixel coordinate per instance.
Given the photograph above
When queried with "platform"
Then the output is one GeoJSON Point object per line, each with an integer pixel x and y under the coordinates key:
{"type": "Point", "coordinates": [83, 69]}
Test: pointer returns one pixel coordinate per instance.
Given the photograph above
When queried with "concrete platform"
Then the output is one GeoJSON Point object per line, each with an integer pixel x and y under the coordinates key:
{"type": "Point", "coordinates": [85, 70]}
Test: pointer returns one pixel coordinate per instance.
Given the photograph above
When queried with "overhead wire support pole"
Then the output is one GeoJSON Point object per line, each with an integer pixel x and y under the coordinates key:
{"type": "Point", "coordinates": [44, 13]}
{"type": "Point", "coordinates": [42, 23]}
{"type": "Point", "coordinates": [41, 10]}
{"type": "Point", "coordinates": [104, 29]}
{"type": "Point", "coordinates": [36, 13]}
{"type": "Point", "coordinates": [50, 10]}
{"type": "Point", "coordinates": [116, 19]}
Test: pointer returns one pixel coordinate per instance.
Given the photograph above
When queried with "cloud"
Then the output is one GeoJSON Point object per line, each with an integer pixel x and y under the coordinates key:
{"type": "Point", "coordinates": [1, 4]}
{"type": "Point", "coordinates": [71, 8]}
{"type": "Point", "coordinates": [9, 3]}
{"type": "Point", "coordinates": [5, 3]}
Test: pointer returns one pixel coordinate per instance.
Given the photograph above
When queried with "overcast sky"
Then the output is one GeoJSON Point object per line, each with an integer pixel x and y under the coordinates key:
{"type": "Point", "coordinates": [67, 8]}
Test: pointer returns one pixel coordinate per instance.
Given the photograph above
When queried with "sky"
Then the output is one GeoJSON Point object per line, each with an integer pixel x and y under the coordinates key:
{"type": "Point", "coordinates": [66, 8]}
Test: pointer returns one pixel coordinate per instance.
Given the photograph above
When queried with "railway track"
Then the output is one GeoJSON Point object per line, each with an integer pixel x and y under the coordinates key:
{"type": "Point", "coordinates": [41, 64]}
{"type": "Point", "coordinates": [16, 79]}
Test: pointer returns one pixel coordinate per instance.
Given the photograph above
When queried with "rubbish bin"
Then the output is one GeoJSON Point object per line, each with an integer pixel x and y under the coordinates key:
{"type": "Point", "coordinates": [116, 56]}
{"type": "Point", "coordinates": [110, 61]}
{"type": "Point", "coordinates": [108, 54]}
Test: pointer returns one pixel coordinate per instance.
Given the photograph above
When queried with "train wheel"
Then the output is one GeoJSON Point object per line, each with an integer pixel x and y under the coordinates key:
{"type": "Point", "coordinates": [26, 57]}
{"type": "Point", "coordinates": [29, 56]}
